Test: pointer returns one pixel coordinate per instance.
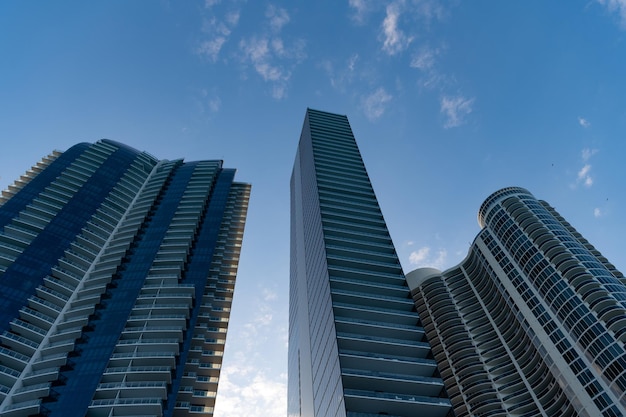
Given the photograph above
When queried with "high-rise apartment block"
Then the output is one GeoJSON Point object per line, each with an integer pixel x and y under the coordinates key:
{"type": "Point", "coordinates": [117, 273]}
{"type": "Point", "coordinates": [532, 322]}
{"type": "Point", "coordinates": [356, 345]}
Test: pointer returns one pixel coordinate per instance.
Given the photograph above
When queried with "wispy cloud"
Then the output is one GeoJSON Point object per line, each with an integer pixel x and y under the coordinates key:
{"type": "Point", "coordinates": [272, 60]}
{"type": "Point", "coordinates": [429, 9]}
{"type": "Point", "coordinates": [257, 51]}
{"type": "Point", "coordinates": [340, 75]}
{"type": "Point", "coordinates": [211, 48]}
{"type": "Point", "coordinates": [584, 122]}
{"type": "Point", "coordinates": [583, 175]}
{"type": "Point", "coordinates": [217, 32]}
{"type": "Point", "coordinates": [597, 212]}
{"type": "Point", "coordinates": [588, 153]}
{"type": "Point", "coordinates": [208, 102]}
{"type": "Point", "coordinates": [455, 109]}
{"type": "Point", "coordinates": [374, 104]}
{"type": "Point", "coordinates": [618, 7]}
{"type": "Point", "coordinates": [232, 17]}
{"type": "Point", "coordinates": [423, 257]}
{"type": "Point", "coordinates": [270, 56]}
{"type": "Point", "coordinates": [361, 8]}
{"type": "Point", "coordinates": [394, 39]}
{"type": "Point", "coordinates": [214, 104]}
{"type": "Point", "coordinates": [352, 62]}
{"type": "Point", "coordinates": [424, 59]}
{"type": "Point", "coordinates": [277, 16]}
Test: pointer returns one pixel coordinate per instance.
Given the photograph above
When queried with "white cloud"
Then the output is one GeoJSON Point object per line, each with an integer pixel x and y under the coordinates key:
{"type": "Point", "coordinates": [247, 391]}
{"type": "Point", "coordinates": [374, 105]}
{"type": "Point", "coordinates": [278, 17]}
{"type": "Point", "coordinates": [597, 212]}
{"type": "Point", "coordinates": [394, 40]}
{"type": "Point", "coordinates": [217, 31]}
{"type": "Point", "coordinates": [269, 295]}
{"type": "Point", "coordinates": [422, 258]}
{"type": "Point", "coordinates": [616, 6]}
{"type": "Point", "coordinates": [214, 104]}
{"type": "Point", "coordinates": [455, 109]}
{"type": "Point", "coordinates": [270, 56]}
{"type": "Point", "coordinates": [211, 48]}
{"type": "Point", "coordinates": [352, 62]}
{"type": "Point", "coordinates": [340, 75]}
{"type": "Point", "coordinates": [272, 60]}
{"type": "Point", "coordinates": [583, 175]}
{"type": "Point", "coordinates": [233, 18]}
{"type": "Point", "coordinates": [208, 102]}
{"type": "Point", "coordinates": [583, 122]}
{"type": "Point", "coordinates": [260, 53]}
{"type": "Point", "coordinates": [255, 49]}
{"type": "Point", "coordinates": [584, 171]}
{"type": "Point", "coordinates": [218, 27]}
{"type": "Point", "coordinates": [424, 59]}
{"type": "Point", "coordinates": [588, 153]}
{"type": "Point", "coordinates": [210, 3]}
{"type": "Point", "coordinates": [361, 7]}
{"type": "Point", "coordinates": [418, 256]}
{"type": "Point", "coordinates": [429, 9]}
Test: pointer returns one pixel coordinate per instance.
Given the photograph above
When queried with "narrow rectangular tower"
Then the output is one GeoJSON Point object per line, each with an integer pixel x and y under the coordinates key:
{"type": "Point", "coordinates": [117, 272]}
{"type": "Point", "coordinates": [356, 346]}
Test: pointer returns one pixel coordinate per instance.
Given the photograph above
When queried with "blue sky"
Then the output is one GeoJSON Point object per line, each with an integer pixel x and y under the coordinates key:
{"type": "Point", "coordinates": [449, 101]}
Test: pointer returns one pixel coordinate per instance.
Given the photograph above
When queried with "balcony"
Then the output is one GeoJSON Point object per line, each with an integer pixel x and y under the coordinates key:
{"type": "Point", "coordinates": [388, 382]}
{"type": "Point", "coordinates": [382, 345]}
{"type": "Point", "coordinates": [362, 401]}
{"type": "Point", "coordinates": [359, 328]}
{"type": "Point", "coordinates": [381, 315]}
{"type": "Point", "coordinates": [127, 407]}
{"type": "Point", "coordinates": [22, 409]}
{"type": "Point", "coordinates": [387, 363]}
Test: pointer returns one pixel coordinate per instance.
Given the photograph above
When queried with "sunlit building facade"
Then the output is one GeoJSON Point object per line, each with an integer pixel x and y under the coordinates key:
{"type": "Point", "coordinates": [117, 273]}
{"type": "Point", "coordinates": [532, 322]}
{"type": "Point", "coordinates": [356, 345]}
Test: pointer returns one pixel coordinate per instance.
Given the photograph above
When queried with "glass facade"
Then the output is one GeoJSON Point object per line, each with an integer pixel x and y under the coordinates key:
{"type": "Point", "coordinates": [356, 345]}
{"type": "Point", "coordinates": [117, 276]}
{"type": "Point", "coordinates": [535, 296]}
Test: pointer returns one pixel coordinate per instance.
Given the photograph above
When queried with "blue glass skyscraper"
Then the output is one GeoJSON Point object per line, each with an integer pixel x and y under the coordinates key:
{"type": "Point", "coordinates": [356, 345]}
{"type": "Point", "coordinates": [117, 272]}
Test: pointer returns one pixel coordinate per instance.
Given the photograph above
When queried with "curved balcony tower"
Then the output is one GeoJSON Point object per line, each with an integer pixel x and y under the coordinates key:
{"type": "Point", "coordinates": [532, 322]}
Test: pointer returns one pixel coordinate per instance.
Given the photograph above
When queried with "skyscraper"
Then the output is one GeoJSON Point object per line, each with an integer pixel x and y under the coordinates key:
{"type": "Point", "coordinates": [532, 322]}
{"type": "Point", "coordinates": [356, 346]}
{"type": "Point", "coordinates": [116, 278]}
